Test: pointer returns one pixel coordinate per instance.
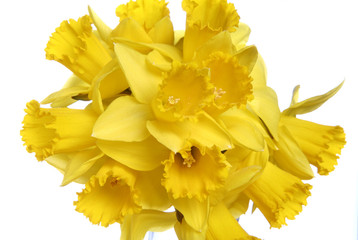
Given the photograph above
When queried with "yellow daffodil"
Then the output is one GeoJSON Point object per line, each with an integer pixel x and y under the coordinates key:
{"type": "Point", "coordinates": [48, 131]}
{"type": "Point", "coordinates": [176, 118]}
{"type": "Point", "coordinates": [303, 142]}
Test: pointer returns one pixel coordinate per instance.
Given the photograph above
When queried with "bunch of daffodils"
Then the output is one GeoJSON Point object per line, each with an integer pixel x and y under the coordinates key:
{"type": "Point", "coordinates": [178, 120]}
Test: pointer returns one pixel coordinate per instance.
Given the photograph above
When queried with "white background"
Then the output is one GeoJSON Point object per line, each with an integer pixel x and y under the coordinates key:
{"type": "Point", "coordinates": [308, 42]}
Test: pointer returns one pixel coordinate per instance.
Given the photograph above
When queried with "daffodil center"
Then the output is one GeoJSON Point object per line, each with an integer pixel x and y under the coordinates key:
{"type": "Point", "coordinates": [189, 158]}
{"type": "Point", "coordinates": [183, 93]}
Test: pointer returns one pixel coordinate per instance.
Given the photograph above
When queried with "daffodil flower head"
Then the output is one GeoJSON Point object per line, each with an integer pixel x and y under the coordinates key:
{"type": "Point", "coordinates": [109, 195]}
{"type": "Point", "coordinates": [185, 91]}
{"type": "Point", "coordinates": [195, 172]}
{"type": "Point", "coordinates": [231, 80]}
{"type": "Point", "coordinates": [76, 46]}
{"type": "Point", "coordinates": [47, 131]}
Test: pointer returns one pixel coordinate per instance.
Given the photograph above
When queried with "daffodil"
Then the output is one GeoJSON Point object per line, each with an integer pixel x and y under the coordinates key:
{"type": "Point", "coordinates": [182, 119]}
{"type": "Point", "coordinates": [303, 142]}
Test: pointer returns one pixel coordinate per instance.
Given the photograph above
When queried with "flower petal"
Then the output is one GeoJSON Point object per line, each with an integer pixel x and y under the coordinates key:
{"type": "Point", "coordinates": [207, 132]}
{"type": "Point", "coordinates": [151, 191]}
{"type": "Point", "coordinates": [163, 31]}
{"type": "Point", "coordinates": [134, 227]}
{"type": "Point", "coordinates": [240, 36]}
{"type": "Point", "coordinates": [223, 226]}
{"type": "Point", "coordinates": [124, 120]}
{"type": "Point", "coordinates": [290, 157]}
{"type": "Point", "coordinates": [103, 30]}
{"type": "Point", "coordinates": [79, 163]}
{"type": "Point", "coordinates": [130, 29]}
{"type": "Point", "coordinates": [265, 105]}
{"type": "Point", "coordinates": [240, 125]}
{"type": "Point", "coordinates": [173, 135]}
{"type": "Point", "coordinates": [142, 156]}
{"type": "Point", "coordinates": [142, 81]}
{"type": "Point", "coordinates": [195, 212]}
{"type": "Point", "coordinates": [310, 104]}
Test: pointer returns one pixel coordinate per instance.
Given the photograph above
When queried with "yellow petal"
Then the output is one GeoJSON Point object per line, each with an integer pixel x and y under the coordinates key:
{"type": "Point", "coordinates": [157, 60]}
{"type": "Point", "coordinates": [259, 74]}
{"type": "Point", "coordinates": [194, 212]}
{"type": "Point", "coordinates": [163, 32]}
{"type": "Point", "coordinates": [75, 46]}
{"type": "Point", "coordinates": [124, 120]}
{"type": "Point", "coordinates": [143, 156]}
{"type": "Point", "coordinates": [247, 57]}
{"type": "Point", "coordinates": [310, 104]}
{"type": "Point", "coordinates": [134, 227]}
{"type": "Point", "coordinates": [265, 105]}
{"type": "Point", "coordinates": [143, 82]}
{"type": "Point", "coordinates": [185, 232]}
{"type": "Point", "coordinates": [66, 96]}
{"type": "Point", "coordinates": [131, 30]}
{"type": "Point", "coordinates": [56, 130]}
{"type": "Point", "coordinates": [167, 50]}
{"type": "Point", "coordinates": [223, 226]}
{"type": "Point", "coordinates": [290, 157]}
{"type": "Point", "coordinates": [152, 193]}
{"type": "Point", "coordinates": [103, 30]}
{"type": "Point", "coordinates": [109, 196]}
{"type": "Point", "coordinates": [240, 125]}
{"type": "Point", "coordinates": [220, 43]}
{"type": "Point", "coordinates": [278, 195]}
{"type": "Point", "coordinates": [237, 205]}
{"type": "Point", "coordinates": [194, 173]}
{"type": "Point", "coordinates": [321, 144]}
{"type": "Point", "coordinates": [146, 12]}
{"type": "Point", "coordinates": [109, 83]}
{"type": "Point", "coordinates": [172, 135]}
{"type": "Point", "coordinates": [79, 163]}
{"type": "Point", "coordinates": [240, 36]}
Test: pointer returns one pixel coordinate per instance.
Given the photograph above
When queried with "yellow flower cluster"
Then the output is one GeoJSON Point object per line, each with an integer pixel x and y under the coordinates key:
{"type": "Point", "coordinates": [176, 118]}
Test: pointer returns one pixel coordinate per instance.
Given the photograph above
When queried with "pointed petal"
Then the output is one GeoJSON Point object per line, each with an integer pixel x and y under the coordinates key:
{"type": "Point", "coordinates": [310, 104]}
{"type": "Point", "coordinates": [259, 73]}
{"type": "Point", "coordinates": [103, 30]}
{"type": "Point", "coordinates": [152, 194]}
{"type": "Point", "coordinates": [124, 120]}
{"type": "Point", "coordinates": [130, 29]}
{"type": "Point", "coordinates": [134, 227]}
{"type": "Point", "coordinates": [195, 212]}
{"type": "Point", "coordinates": [207, 132]}
{"type": "Point", "coordinates": [185, 232]}
{"type": "Point", "coordinates": [142, 156]}
{"type": "Point", "coordinates": [265, 105]}
{"type": "Point", "coordinates": [239, 124]}
{"type": "Point", "coordinates": [142, 81]}
{"type": "Point", "coordinates": [241, 35]}
{"type": "Point", "coordinates": [172, 135]}
{"type": "Point", "coordinates": [247, 57]}
{"type": "Point", "coordinates": [163, 31]}
{"type": "Point", "coordinates": [222, 225]}
{"type": "Point", "coordinates": [80, 163]}
{"type": "Point", "coordinates": [290, 157]}
{"type": "Point", "coordinates": [221, 42]}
